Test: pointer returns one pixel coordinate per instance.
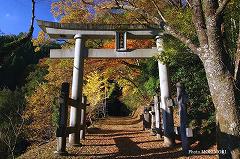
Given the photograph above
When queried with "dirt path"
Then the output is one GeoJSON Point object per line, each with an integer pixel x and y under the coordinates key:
{"type": "Point", "coordinates": [116, 138]}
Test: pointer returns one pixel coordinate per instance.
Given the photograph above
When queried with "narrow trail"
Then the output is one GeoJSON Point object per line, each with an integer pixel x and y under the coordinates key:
{"type": "Point", "coordinates": [112, 138]}
{"type": "Point", "coordinates": [124, 138]}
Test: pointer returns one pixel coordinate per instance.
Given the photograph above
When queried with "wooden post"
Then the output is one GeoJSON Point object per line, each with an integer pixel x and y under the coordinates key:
{"type": "Point", "coordinates": [146, 119]}
{"type": "Point", "coordinates": [77, 83]}
{"type": "Point", "coordinates": [153, 118]}
{"type": "Point", "coordinates": [83, 118]}
{"type": "Point", "coordinates": [182, 98]}
{"type": "Point", "coordinates": [62, 122]}
{"type": "Point", "coordinates": [105, 101]}
{"type": "Point", "coordinates": [167, 111]}
{"type": "Point", "coordinates": [157, 115]}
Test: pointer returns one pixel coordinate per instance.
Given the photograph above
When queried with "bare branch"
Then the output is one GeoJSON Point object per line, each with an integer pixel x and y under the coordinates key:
{"type": "Point", "coordinates": [222, 7]}
{"type": "Point", "coordinates": [131, 7]}
{"type": "Point", "coordinates": [158, 10]}
{"type": "Point", "coordinates": [12, 132]}
{"type": "Point", "coordinates": [11, 123]}
{"type": "Point", "coordinates": [31, 28]}
{"type": "Point", "coordinates": [134, 84]}
{"type": "Point", "coordinates": [88, 2]}
{"type": "Point", "coordinates": [131, 66]}
{"type": "Point", "coordinates": [138, 20]}
{"type": "Point", "coordinates": [190, 5]}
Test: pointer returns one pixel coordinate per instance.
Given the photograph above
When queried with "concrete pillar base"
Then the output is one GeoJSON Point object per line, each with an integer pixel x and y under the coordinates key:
{"type": "Point", "coordinates": [168, 142]}
{"type": "Point", "coordinates": [158, 136]}
{"type": "Point", "coordinates": [76, 145]}
{"type": "Point", "coordinates": [61, 153]}
{"type": "Point", "coordinates": [82, 135]}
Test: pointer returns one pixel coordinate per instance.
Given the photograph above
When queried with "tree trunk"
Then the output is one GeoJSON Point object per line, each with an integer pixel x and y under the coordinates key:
{"type": "Point", "coordinates": [221, 84]}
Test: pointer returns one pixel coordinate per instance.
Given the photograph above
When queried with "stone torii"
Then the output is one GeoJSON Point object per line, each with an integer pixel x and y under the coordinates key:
{"type": "Point", "coordinates": [82, 32]}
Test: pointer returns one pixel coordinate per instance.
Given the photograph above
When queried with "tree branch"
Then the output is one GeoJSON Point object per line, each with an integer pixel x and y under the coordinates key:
{"type": "Point", "coordinates": [158, 10]}
{"type": "Point", "coordinates": [187, 1]}
{"type": "Point", "coordinates": [182, 38]}
{"type": "Point", "coordinates": [130, 65]}
{"type": "Point", "coordinates": [132, 8]}
{"type": "Point", "coordinates": [134, 84]}
{"type": "Point", "coordinates": [222, 6]}
{"type": "Point", "coordinates": [237, 61]}
{"type": "Point", "coordinates": [170, 30]}
{"type": "Point", "coordinates": [15, 44]}
{"type": "Point", "coordinates": [87, 2]}
{"type": "Point", "coordinates": [199, 21]}
{"type": "Point", "coordinates": [31, 28]}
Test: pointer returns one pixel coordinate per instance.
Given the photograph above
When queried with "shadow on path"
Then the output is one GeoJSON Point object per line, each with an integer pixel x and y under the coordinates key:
{"type": "Point", "coordinates": [112, 140]}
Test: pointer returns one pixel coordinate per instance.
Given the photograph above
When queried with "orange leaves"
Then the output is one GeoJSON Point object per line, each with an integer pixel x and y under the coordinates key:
{"type": "Point", "coordinates": [131, 44]}
{"type": "Point", "coordinates": [109, 44]}
{"type": "Point", "coordinates": [103, 65]}
{"type": "Point", "coordinates": [71, 11]}
{"type": "Point", "coordinates": [118, 65]}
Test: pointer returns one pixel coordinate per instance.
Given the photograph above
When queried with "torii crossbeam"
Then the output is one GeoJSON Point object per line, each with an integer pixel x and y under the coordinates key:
{"type": "Point", "coordinates": [89, 31]}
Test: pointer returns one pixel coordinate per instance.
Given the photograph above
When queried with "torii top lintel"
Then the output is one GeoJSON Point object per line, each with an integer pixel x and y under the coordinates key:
{"type": "Point", "coordinates": [69, 30]}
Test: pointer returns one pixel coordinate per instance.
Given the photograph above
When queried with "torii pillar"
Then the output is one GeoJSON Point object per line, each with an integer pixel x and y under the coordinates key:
{"type": "Point", "coordinates": [77, 85]}
{"type": "Point", "coordinates": [167, 111]}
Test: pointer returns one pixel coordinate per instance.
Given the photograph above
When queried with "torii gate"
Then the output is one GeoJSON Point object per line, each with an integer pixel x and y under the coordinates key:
{"type": "Point", "coordinates": [82, 32]}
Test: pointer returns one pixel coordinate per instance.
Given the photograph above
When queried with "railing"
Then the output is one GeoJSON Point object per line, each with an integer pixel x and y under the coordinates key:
{"type": "Point", "coordinates": [63, 130]}
{"type": "Point", "coordinates": [153, 117]}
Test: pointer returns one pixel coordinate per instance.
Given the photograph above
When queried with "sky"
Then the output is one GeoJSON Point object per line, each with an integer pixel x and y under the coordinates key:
{"type": "Point", "coordinates": [15, 15]}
